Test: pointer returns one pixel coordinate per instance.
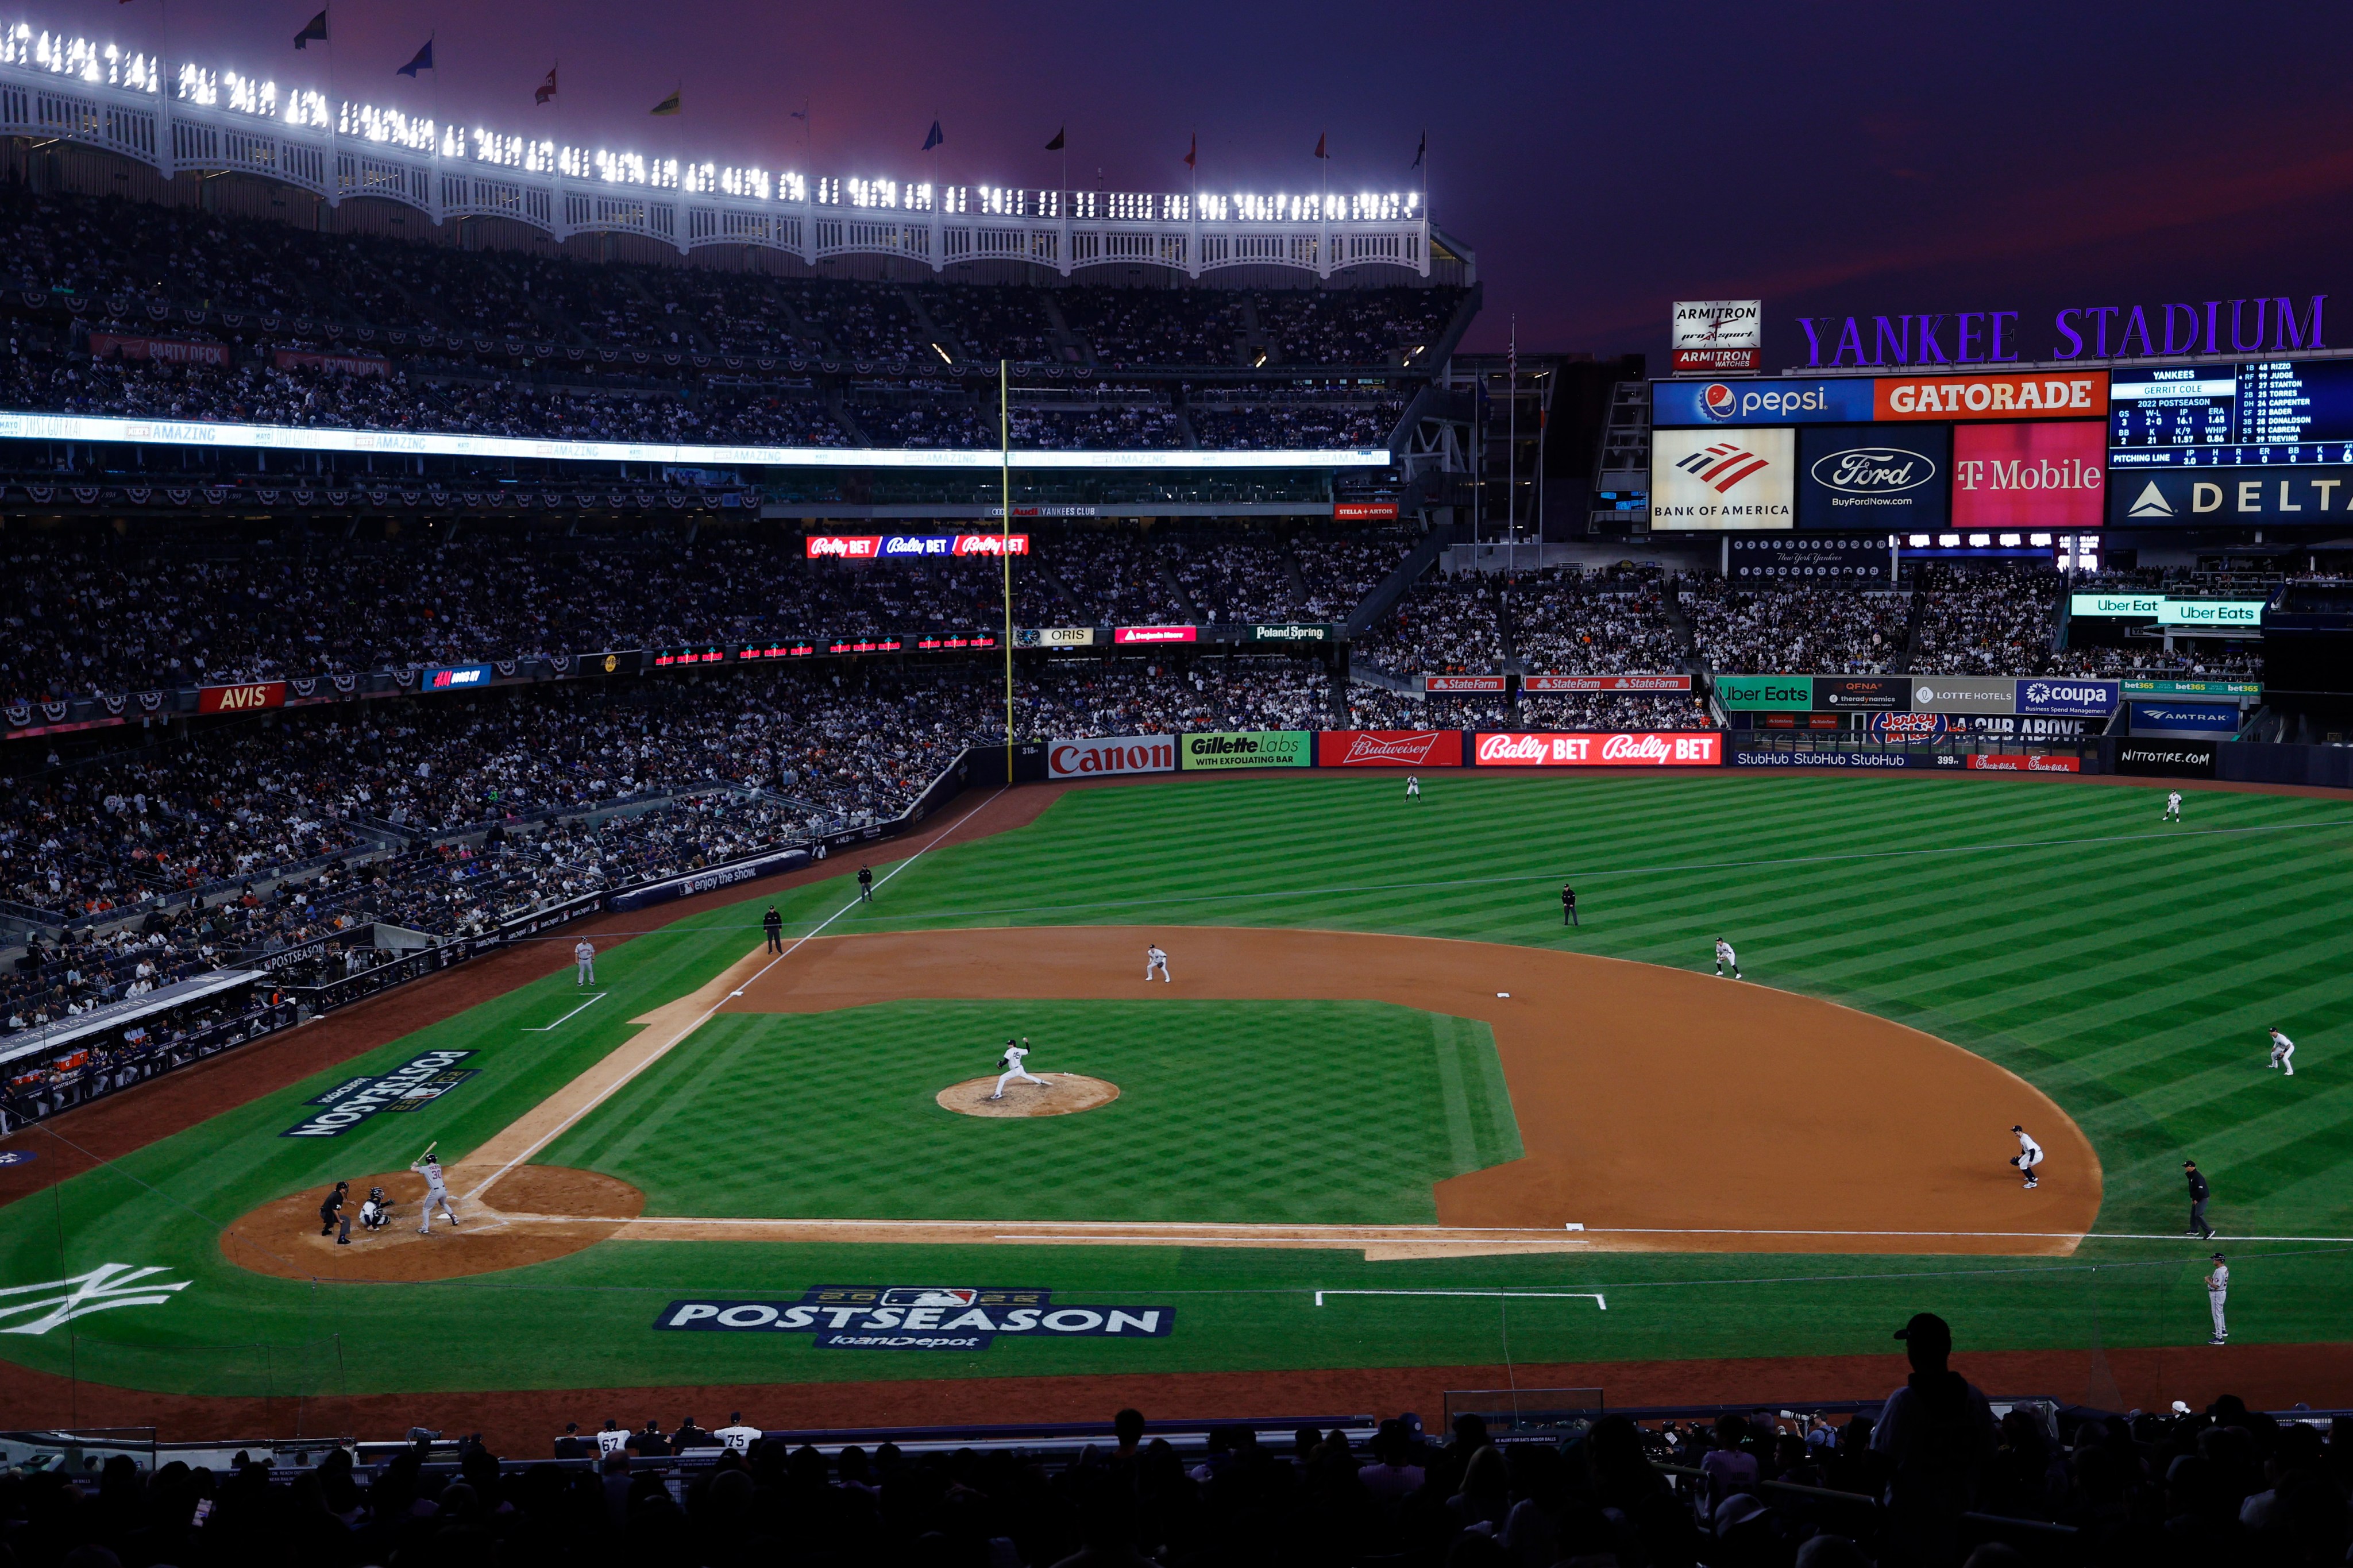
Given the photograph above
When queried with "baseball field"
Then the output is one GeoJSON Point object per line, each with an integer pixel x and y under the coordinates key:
{"type": "Point", "coordinates": [1390, 1129]}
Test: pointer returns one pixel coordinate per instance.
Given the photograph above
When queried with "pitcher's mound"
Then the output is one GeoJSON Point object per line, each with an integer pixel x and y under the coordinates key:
{"type": "Point", "coordinates": [1064, 1093]}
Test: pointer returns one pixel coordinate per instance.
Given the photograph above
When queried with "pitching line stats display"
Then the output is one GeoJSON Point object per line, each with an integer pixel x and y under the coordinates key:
{"type": "Point", "coordinates": [2258, 415]}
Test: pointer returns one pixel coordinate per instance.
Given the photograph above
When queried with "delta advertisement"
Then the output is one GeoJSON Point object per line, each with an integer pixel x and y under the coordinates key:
{"type": "Point", "coordinates": [1679, 749]}
{"type": "Point", "coordinates": [1388, 748]}
{"type": "Point", "coordinates": [1720, 480]}
{"type": "Point", "coordinates": [1116, 754]}
{"type": "Point", "coordinates": [1247, 749]}
{"type": "Point", "coordinates": [2249, 495]}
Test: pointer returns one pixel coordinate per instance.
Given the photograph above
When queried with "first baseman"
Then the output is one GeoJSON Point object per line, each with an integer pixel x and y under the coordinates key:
{"type": "Point", "coordinates": [1156, 959]}
{"type": "Point", "coordinates": [583, 956]}
{"type": "Point", "coordinates": [2282, 1052]}
{"type": "Point", "coordinates": [2028, 1155]}
{"type": "Point", "coordinates": [2172, 806]}
{"type": "Point", "coordinates": [437, 1196]}
{"type": "Point", "coordinates": [1726, 958]}
{"type": "Point", "coordinates": [2218, 1286]}
{"type": "Point", "coordinates": [1014, 1069]}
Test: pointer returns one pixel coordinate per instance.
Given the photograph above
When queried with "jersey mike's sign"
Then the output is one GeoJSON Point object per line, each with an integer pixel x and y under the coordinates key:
{"type": "Point", "coordinates": [1681, 749]}
{"type": "Point", "coordinates": [241, 698]}
{"type": "Point", "coordinates": [918, 1317]}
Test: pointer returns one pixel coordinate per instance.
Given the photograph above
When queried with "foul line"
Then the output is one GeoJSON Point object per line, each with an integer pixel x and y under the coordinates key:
{"type": "Point", "coordinates": [705, 1016]}
{"type": "Point", "coordinates": [1592, 1296]}
{"type": "Point", "coordinates": [543, 1028]}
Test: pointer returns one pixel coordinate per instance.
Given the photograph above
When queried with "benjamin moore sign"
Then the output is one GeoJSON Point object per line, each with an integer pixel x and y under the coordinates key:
{"type": "Point", "coordinates": [1248, 749]}
{"type": "Point", "coordinates": [411, 1086]}
{"type": "Point", "coordinates": [917, 1317]}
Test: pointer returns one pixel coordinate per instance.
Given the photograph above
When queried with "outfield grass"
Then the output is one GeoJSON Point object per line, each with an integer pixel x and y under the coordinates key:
{"type": "Point", "coordinates": [2126, 968]}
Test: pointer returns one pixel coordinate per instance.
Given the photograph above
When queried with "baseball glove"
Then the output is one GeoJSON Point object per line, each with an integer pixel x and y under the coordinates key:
{"type": "Point", "coordinates": [1004, 1062]}
{"type": "Point", "coordinates": [2014, 1159]}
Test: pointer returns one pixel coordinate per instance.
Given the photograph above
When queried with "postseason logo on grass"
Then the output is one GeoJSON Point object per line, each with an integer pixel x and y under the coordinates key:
{"type": "Point", "coordinates": [918, 1317]}
{"type": "Point", "coordinates": [411, 1086]}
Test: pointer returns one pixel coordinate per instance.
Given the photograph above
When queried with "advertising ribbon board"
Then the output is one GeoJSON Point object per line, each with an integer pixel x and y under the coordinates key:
{"type": "Point", "coordinates": [241, 698]}
{"type": "Point", "coordinates": [1389, 749]}
{"type": "Point", "coordinates": [1058, 636]}
{"type": "Point", "coordinates": [1153, 634]}
{"type": "Point", "coordinates": [2245, 689]}
{"type": "Point", "coordinates": [1908, 726]}
{"type": "Point", "coordinates": [1871, 762]}
{"type": "Point", "coordinates": [1117, 754]}
{"type": "Point", "coordinates": [1963, 694]}
{"type": "Point", "coordinates": [2168, 759]}
{"type": "Point", "coordinates": [1985, 763]}
{"type": "Point", "coordinates": [1294, 632]}
{"type": "Point", "coordinates": [1862, 693]}
{"type": "Point", "coordinates": [2211, 720]}
{"type": "Point", "coordinates": [1247, 749]}
{"type": "Point", "coordinates": [1673, 749]}
{"type": "Point", "coordinates": [1605, 683]}
{"type": "Point", "coordinates": [1442, 683]}
{"type": "Point", "coordinates": [1364, 511]}
{"type": "Point", "coordinates": [1766, 693]}
{"type": "Point", "coordinates": [2068, 699]}
{"type": "Point", "coordinates": [456, 676]}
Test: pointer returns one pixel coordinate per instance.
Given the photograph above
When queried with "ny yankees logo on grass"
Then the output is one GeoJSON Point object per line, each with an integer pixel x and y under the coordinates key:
{"type": "Point", "coordinates": [107, 1286]}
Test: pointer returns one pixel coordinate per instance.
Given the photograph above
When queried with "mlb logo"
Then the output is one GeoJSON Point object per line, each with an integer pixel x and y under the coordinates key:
{"type": "Point", "coordinates": [927, 1296]}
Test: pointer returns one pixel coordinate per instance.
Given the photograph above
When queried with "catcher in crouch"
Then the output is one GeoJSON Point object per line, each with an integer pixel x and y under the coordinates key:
{"type": "Point", "coordinates": [1011, 1063]}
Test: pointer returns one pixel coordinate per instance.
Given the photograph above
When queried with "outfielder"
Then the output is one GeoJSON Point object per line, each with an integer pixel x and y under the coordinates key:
{"type": "Point", "coordinates": [583, 957]}
{"type": "Point", "coordinates": [1412, 787]}
{"type": "Point", "coordinates": [437, 1195]}
{"type": "Point", "coordinates": [2172, 806]}
{"type": "Point", "coordinates": [1153, 959]}
{"type": "Point", "coordinates": [1726, 958]}
{"type": "Point", "coordinates": [2218, 1287]}
{"type": "Point", "coordinates": [2028, 1155]}
{"type": "Point", "coordinates": [2282, 1052]}
{"type": "Point", "coordinates": [1014, 1069]}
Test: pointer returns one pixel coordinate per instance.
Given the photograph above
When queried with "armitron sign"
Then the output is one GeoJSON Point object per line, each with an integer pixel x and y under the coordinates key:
{"type": "Point", "coordinates": [241, 698]}
{"type": "Point", "coordinates": [1118, 754]}
{"type": "Point", "coordinates": [1684, 749]}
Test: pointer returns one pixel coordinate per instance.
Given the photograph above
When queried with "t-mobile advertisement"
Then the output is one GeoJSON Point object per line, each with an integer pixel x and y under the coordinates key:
{"type": "Point", "coordinates": [2029, 475]}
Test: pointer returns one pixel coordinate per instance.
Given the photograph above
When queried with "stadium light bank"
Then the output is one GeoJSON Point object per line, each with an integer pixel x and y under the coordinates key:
{"type": "Point", "coordinates": [192, 117]}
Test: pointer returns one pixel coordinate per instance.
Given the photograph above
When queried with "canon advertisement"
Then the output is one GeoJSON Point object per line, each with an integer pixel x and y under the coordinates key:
{"type": "Point", "coordinates": [1389, 749]}
{"type": "Point", "coordinates": [1682, 749]}
{"type": "Point", "coordinates": [1865, 476]}
{"type": "Point", "coordinates": [1117, 754]}
{"type": "Point", "coordinates": [1710, 481]}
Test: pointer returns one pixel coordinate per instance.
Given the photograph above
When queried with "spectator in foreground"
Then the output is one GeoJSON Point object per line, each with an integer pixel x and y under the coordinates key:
{"type": "Point", "coordinates": [1937, 1434]}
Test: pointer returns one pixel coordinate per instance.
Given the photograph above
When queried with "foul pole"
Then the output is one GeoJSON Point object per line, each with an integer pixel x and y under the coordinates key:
{"type": "Point", "coordinates": [1005, 550]}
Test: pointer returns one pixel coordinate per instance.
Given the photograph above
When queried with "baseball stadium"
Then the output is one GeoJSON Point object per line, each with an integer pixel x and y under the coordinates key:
{"type": "Point", "coordinates": [777, 867]}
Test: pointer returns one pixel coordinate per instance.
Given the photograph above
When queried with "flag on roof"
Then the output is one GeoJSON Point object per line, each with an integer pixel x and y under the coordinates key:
{"type": "Point", "coordinates": [935, 139]}
{"type": "Point", "coordinates": [547, 89]}
{"type": "Point", "coordinates": [1319, 146]}
{"type": "Point", "coordinates": [423, 62]}
{"type": "Point", "coordinates": [315, 28]}
{"type": "Point", "coordinates": [1192, 152]}
{"type": "Point", "coordinates": [668, 105]}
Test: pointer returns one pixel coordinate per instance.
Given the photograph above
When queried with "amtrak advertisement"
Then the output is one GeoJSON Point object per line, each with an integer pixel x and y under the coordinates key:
{"type": "Point", "coordinates": [1884, 476]}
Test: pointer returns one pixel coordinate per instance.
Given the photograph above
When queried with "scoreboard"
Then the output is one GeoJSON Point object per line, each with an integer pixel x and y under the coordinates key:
{"type": "Point", "coordinates": [2263, 414]}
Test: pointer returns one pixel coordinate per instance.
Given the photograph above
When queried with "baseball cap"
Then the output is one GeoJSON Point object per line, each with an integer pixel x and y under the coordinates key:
{"type": "Point", "coordinates": [1927, 1328]}
{"type": "Point", "coordinates": [2218, 1257]}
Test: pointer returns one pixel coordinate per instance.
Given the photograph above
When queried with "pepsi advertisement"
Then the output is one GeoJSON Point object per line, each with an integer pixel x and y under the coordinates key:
{"type": "Point", "coordinates": [1888, 478]}
{"type": "Point", "coordinates": [1826, 402]}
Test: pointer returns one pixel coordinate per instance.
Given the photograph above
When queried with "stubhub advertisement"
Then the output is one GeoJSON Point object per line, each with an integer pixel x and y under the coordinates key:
{"type": "Point", "coordinates": [1834, 401]}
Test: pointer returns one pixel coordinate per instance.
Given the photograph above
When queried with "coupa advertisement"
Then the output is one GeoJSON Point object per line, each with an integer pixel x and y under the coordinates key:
{"type": "Point", "coordinates": [918, 1317]}
{"type": "Point", "coordinates": [1247, 749]}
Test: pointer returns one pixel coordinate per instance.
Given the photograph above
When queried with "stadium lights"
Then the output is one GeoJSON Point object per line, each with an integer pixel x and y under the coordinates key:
{"type": "Point", "coordinates": [1919, 542]}
{"type": "Point", "coordinates": [1980, 541]}
{"type": "Point", "coordinates": [309, 110]}
{"type": "Point", "coordinates": [2009, 542]}
{"type": "Point", "coordinates": [2038, 539]}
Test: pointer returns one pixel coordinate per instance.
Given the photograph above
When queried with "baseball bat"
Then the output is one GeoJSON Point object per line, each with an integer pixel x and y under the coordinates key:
{"type": "Point", "coordinates": [429, 1149]}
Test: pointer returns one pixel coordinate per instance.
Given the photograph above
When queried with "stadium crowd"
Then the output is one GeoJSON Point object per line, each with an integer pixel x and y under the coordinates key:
{"type": "Point", "coordinates": [1825, 631]}
{"type": "Point", "coordinates": [1771, 1489]}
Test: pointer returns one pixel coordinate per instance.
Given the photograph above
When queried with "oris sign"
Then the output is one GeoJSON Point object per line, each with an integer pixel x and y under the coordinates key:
{"type": "Point", "coordinates": [1687, 748]}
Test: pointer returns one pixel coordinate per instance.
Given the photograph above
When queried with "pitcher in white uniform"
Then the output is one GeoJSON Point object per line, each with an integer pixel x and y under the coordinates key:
{"type": "Point", "coordinates": [1015, 1070]}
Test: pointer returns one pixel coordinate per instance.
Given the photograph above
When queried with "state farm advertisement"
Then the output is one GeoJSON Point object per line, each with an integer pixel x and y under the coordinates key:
{"type": "Point", "coordinates": [1389, 749]}
{"type": "Point", "coordinates": [241, 698]}
{"type": "Point", "coordinates": [2029, 475]}
{"type": "Point", "coordinates": [1683, 749]}
{"type": "Point", "coordinates": [2082, 395]}
{"type": "Point", "coordinates": [1605, 683]}
{"type": "Point", "coordinates": [1462, 683]}
{"type": "Point", "coordinates": [1113, 755]}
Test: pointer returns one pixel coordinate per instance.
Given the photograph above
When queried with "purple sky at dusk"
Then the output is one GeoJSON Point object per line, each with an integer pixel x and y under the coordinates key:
{"type": "Point", "coordinates": [1600, 160]}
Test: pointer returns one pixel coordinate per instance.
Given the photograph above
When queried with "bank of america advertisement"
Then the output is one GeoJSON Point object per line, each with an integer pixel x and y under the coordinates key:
{"type": "Point", "coordinates": [1723, 480]}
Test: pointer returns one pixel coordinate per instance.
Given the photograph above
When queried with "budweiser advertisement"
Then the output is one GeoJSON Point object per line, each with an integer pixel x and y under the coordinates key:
{"type": "Point", "coordinates": [1677, 749]}
{"type": "Point", "coordinates": [1116, 754]}
{"type": "Point", "coordinates": [1605, 683]}
{"type": "Point", "coordinates": [1984, 763]}
{"type": "Point", "coordinates": [241, 698]}
{"type": "Point", "coordinates": [1462, 683]}
{"type": "Point", "coordinates": [1389, 749]}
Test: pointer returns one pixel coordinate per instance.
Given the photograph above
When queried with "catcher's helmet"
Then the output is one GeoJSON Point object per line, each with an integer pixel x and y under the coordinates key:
{"type": "Point", "coordinates": [376, 1193]}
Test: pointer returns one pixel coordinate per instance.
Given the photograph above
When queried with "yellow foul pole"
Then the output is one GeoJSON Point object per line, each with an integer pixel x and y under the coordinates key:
{"type": "Point", "coordinates": [1004, 470]}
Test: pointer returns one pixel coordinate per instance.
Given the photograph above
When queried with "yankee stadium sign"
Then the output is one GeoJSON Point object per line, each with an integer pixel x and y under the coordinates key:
{"type": "Point", "coordinates": [918, 1317]}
